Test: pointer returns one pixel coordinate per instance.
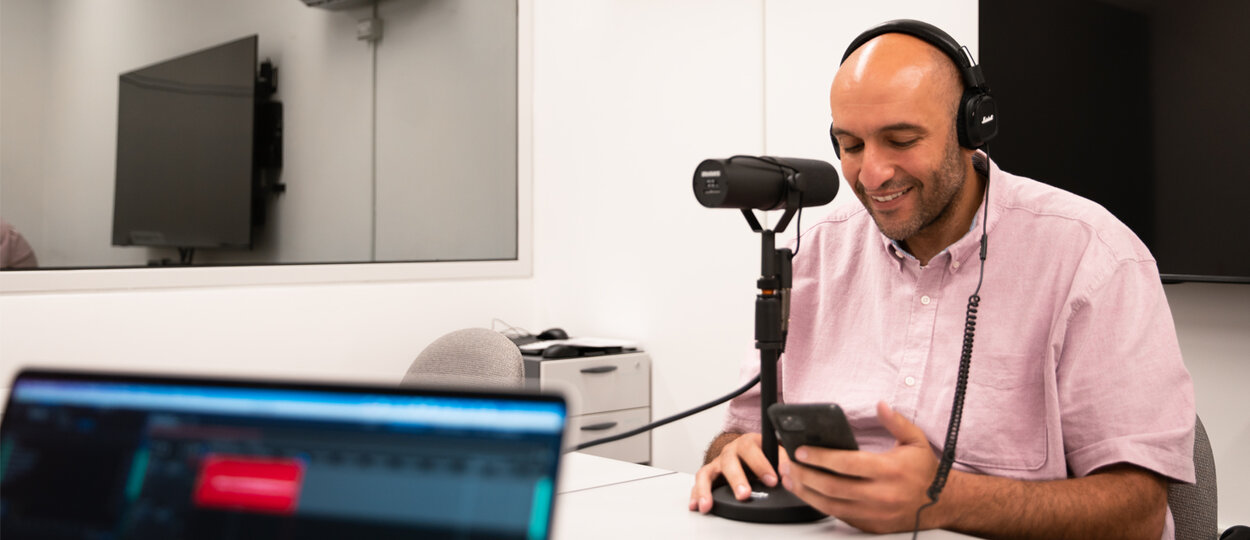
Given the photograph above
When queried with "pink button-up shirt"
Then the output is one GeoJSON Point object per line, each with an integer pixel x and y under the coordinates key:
{"type": "Point", "coordinates": [1075, 365]}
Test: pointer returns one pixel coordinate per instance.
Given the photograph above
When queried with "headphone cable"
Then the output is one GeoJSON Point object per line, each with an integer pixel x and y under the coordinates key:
{"type": "Point", "coordinates": [965, 361]}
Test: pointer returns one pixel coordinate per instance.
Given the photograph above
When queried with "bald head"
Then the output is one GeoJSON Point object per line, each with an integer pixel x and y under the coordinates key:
{"type": "Point", "coordinates": [893, 104]}
{"type": "Point", "coordinates": [898, 66]}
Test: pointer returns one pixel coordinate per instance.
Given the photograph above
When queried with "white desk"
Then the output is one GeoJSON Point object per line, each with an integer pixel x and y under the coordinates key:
{"type": "Point", "coordinates": [604, 498]}
{"type": "Point", "coordinates": [580, 472]}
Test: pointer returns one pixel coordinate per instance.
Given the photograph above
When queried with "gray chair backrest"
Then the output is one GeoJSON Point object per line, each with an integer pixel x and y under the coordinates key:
{"type": "Point", "coordinates": [472, 357]}
{"type": "Point", "coordinates": [1194, 507]}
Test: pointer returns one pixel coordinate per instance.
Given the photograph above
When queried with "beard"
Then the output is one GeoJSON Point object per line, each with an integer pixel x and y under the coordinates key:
{"type": "Point", "coordinates": [933, 198]}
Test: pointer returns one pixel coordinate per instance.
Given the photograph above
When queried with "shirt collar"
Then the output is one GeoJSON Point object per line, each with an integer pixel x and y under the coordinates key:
{"type": "Point", "coordinates": [960, 249]}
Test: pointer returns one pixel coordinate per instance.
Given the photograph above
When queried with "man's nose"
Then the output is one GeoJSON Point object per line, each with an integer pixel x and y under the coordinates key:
{"type": "Point", "coordinates": [875, 169]}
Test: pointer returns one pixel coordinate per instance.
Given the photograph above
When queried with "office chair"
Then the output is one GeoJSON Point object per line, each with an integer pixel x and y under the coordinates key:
{"type": "Point", "coordinates": [472, 357]}
{"type": "Point", "coordinates": [1194, 505]}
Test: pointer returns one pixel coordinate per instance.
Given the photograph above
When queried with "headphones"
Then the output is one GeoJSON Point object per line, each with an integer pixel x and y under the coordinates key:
{"type": "Point", "coordinates": [975, 121]}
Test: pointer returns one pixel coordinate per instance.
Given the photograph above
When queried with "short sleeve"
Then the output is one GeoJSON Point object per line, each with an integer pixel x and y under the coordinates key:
{"type": "Point", "coordinates": [1124, 393]}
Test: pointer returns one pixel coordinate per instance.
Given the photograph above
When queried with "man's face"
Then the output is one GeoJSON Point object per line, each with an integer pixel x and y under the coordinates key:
{"type": "Point", "coordinates": [906, 202]}
{"type": "Point", "coordinates": [894, 124]}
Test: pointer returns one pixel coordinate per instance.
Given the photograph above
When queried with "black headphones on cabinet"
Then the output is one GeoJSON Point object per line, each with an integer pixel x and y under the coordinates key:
{"type": "Point", "coordinates": [975, 121]}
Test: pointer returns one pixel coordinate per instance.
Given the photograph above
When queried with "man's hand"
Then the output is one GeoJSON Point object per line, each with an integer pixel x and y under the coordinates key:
{"type": "Point", "coordinates": [886, 489]}
{"type": "Point", "coordinates": [746, 449]}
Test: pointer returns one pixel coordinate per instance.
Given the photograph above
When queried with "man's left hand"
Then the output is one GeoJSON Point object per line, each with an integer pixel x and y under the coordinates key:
{"type": "Point", "coordinates": [881, 492]}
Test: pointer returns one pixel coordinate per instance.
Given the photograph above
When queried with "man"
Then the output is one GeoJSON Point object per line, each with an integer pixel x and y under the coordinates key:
{"type": "Point", "coordinates": [1079, 409]}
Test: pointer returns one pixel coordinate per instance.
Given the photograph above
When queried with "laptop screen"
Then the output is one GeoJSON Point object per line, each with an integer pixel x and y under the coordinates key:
{"type": "Point", "coordinates": [120, 456]}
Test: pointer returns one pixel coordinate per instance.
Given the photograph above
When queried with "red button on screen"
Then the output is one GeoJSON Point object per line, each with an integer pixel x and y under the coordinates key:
{"type": "Point", "coordinates": [265, 485]}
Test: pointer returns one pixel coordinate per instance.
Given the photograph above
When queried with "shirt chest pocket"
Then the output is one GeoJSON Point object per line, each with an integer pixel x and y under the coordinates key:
{"type": "Point", "coordinates": [1004, 417]}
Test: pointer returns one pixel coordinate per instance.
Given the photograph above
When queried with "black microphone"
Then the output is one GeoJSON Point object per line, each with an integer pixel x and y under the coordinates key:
{"type": "Point", "coordinates": [764, 182]}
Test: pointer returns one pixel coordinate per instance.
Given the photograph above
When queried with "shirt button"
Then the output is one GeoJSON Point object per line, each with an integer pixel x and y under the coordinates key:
{"type": "Point", "coordinates": [898, 254]}
{"type": "Point", "coordinates": [955, 264]}
{"type": "Point", "coordinates": [911, 381]}
{"type": "Point", "coordinates": [924, 300]}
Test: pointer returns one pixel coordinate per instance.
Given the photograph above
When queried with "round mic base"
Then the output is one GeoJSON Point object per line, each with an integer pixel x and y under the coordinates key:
{"type": "Point", "coordinates": [766, 505]}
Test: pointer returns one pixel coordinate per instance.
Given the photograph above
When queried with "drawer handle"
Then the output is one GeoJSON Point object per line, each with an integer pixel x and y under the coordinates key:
{"type": "Point", "coordinates": [599, 369]}
{"type": "Point", "coordinates": [599, 427]}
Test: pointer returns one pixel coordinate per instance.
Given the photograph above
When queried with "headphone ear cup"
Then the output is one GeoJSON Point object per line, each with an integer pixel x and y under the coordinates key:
{"type": "Point", "coordinates": [963, 118]}
{"type": "Point", "coordinates": [837, 150]}
{"type": "Point", "coordinates": [986, 119]}
{"type": "Point", "coordinates": [978, 119]}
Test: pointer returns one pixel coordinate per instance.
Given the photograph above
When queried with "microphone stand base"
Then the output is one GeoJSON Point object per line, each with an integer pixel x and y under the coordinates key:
{"type": "Point", "coordinates": [766, 505]}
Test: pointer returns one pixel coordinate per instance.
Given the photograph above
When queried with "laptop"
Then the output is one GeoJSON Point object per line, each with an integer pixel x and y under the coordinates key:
{"type": "Point", "coordinates": [121, 456]}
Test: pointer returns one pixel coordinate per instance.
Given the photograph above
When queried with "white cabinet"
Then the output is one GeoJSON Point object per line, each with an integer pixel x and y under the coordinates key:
{"type": "Point", "coordinates": [608, 394]}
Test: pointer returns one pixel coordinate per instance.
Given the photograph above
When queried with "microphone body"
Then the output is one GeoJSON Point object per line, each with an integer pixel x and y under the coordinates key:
{"type": "Point", "coordinates": [764, 183]}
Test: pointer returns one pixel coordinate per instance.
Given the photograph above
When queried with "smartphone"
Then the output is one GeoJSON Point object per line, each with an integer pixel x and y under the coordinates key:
{"type": "Point", "coordinates": [811, 424]}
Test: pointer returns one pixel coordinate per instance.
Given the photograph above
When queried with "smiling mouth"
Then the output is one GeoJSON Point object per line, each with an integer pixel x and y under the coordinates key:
{"type": "Point", "coordinates": [888, 198]}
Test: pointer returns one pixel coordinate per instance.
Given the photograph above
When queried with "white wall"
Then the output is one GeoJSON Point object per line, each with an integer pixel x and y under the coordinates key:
{"type": "Point", "coordinates": [806, 39]}
{"type": "Point", "coordinates": [629, 95]}
{"type": "Point", "coordinates": [628, 100]}
{"type": "Point", "coordinates": [352, 332]}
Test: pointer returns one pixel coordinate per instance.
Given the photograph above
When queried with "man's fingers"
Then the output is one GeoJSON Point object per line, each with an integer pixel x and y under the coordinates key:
{"type": "Point", "coordinates": [735, 476]}
{"type": "Point", "coordinates": [797, 480]}
{"type": "Point", "coordinates": [846, 462]}
{"type": "Point", "coordinates": [905, 432]}
{"type": "Point", "coordinates": [835, 486]}
{"type": "Point", "coordinates": [745, 450]}
{"type": "Point", "coordinates": [701, 493]}
{"type": "Point", "coordinates": [757, 462]}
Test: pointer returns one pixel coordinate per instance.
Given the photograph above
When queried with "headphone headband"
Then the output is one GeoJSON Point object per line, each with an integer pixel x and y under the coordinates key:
{"type": "Point", "coordinates": [976, 122]}
{"type": "Point", "coordinates": [930, 34]}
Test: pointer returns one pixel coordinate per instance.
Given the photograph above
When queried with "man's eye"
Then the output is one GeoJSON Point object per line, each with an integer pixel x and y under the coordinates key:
{"type": "Point", "coordinates": [853, 148]}
{"type": "Point", "coordinates": [904, 144]}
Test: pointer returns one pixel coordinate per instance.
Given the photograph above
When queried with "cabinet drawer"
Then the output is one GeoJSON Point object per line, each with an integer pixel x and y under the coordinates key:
{"type": "Point", "coordinates": [603, 383]}
{"type": "Point", "coordinates": [589, 427]}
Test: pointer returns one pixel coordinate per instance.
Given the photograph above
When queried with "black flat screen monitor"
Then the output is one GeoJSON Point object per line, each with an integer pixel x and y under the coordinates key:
{"type": "Point", "coordinates": [1139, 106]}
{"type": "Point", "coordinates": [184, 150]}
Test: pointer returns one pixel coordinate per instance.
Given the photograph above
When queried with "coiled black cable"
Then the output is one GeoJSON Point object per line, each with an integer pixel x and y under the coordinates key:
{"type": "Point", "coordinates": [965, 363]}
{"type": "Point", "coordinates": [957, 408]}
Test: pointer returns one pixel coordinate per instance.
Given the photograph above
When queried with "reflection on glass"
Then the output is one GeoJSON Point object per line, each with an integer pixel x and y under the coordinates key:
{"type": "Point", "coordinates": [399, 150]}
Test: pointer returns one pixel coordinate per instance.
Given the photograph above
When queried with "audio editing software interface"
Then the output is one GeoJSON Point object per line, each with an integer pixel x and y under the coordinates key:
{"type": "Point", "coordinates": [89, 471]}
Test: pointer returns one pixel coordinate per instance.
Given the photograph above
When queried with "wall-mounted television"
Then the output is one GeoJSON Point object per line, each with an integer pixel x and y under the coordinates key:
{"type": "Point", "coordinates": [195, 136]}
{"type": "Point", "coordinates": [1138, 105]}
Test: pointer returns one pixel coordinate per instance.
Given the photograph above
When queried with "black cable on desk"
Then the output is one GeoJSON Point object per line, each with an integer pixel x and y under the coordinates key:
{"type": "Point", "coordinates": [674, 418]}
